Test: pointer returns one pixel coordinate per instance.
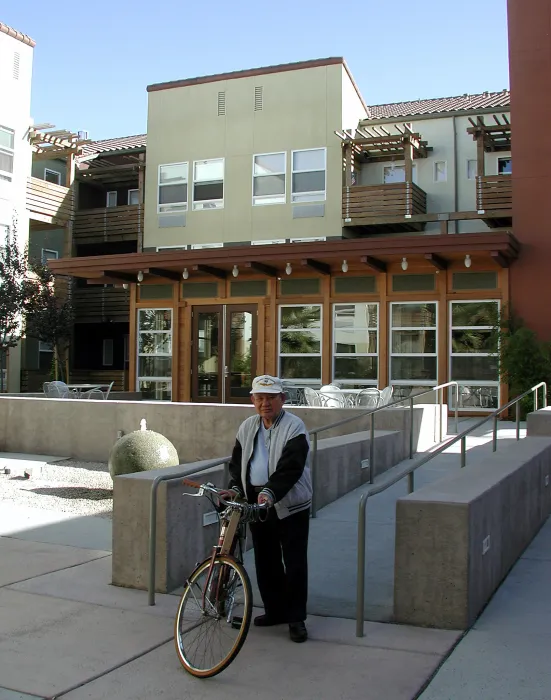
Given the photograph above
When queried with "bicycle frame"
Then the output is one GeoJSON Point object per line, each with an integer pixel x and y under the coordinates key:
{"type": "Point", "coordinates": [226, 545]}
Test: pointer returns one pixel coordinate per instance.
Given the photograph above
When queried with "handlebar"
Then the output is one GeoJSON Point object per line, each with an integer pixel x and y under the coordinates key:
{"type": "Point", "coordinates": [220, 493]}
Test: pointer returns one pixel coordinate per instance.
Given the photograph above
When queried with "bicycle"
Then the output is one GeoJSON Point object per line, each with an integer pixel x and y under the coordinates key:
{"type": "Point", "coordinates": [214, 614]}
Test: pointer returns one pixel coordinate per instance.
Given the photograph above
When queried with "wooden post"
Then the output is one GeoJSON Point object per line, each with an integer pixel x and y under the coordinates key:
{"type": "Point", "coordinates": [348, 165]}
{"type": "Point", "coordinates": [480, 154]}
{"type": "Point", "coordinates": [69, 182]}
{"type": "Point", "coordinates": [141, 190]}
{"type": "Point", "coordinates": [408, 159]}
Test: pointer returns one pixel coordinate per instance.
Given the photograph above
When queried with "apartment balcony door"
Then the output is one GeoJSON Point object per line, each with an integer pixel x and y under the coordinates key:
{"type": "Point", "coordinates": [224, 351]}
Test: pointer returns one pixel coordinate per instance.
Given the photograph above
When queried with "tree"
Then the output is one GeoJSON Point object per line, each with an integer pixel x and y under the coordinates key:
{"type": "Point", "coordinates": [51, 316]}
{"type": "Point", "coordinates": [17, 294]}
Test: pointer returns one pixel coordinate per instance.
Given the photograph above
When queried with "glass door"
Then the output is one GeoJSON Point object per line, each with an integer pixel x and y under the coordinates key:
{"type": "Point", "coordinates": [223, 353]}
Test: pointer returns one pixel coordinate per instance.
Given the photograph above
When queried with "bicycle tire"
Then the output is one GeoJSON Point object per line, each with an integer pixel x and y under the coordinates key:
{"type": "Point", "coordinates": [207, 620]}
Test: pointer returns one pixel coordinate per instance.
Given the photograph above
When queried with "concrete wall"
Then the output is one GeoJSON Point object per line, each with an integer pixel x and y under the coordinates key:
{"type": "Point", "coordinates": [444, 572]}
{"type": "Point", "coordinates": [88, 429]}
{"type": "Point", "coordinates": [538, 423]}
{"type": "Point", "coordinates": [182, 540]}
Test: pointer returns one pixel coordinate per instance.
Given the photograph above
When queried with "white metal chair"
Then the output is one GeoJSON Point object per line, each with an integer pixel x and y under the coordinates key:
{"type": "Point", "coordinates": [386, 395]}
{"type": "Point", "coordinates": [59, 390]}
{"type": "Point", "coordinates": [108, 391]}
{"type": "Point", "coordinates": [332, 396]}
{"type": "Point", "coordinates": [312, 397]}
{"type": "Point", "coordinates": [96, 394]}
{"type": "Point", "coordinates": [368, 398]}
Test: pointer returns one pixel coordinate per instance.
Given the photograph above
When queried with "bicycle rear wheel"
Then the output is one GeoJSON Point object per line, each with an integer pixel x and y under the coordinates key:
{"type": "Point", "coordinates": [212, 623]}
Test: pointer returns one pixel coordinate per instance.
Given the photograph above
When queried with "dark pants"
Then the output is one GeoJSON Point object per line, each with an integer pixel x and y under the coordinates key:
{"type": "Point", "coordinates": [281, 560]}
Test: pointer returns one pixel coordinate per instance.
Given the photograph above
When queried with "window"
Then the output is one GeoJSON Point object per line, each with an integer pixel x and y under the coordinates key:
{"type": "Point", "coordinates": [473, 354]}
{"type": "Point", "coordinates": [273, 241]}
{"type": "Point", "coordinates": [52, 176]}
{"type": "Point", "coordinates": [269, 178]}
{"type": "Point", "coordinates": [171, 247]}
{"type": "Point", "coordinates": [107, 360]}
{"type": "Point", "coordinates": [472, 169]}
{"type": "Point", "coordinates": [355, 344]}
{"type": "Point", "coordinates": [45, 347]}
{"type": "Point", "coordinates": [208, 184]}
{"type": "Point", "coordinates": [7, 137]}
{"type": "Point", "coordinates": [300, 329]}
{"type": "Point", "coordinates": [173, 180]}
{"type": "Point", "coordinates": [440, 171]}
{"type": "Point", "coordinates": [200, 246]}
{"type": "Point", "coordinates": [133, 196]}
{"type": "Point", "coordinates": [310, 239]}
{"type": "Point", "coordinates": [48, 255]}
{"type": "Point", "coordinates": [413, 348]}
{"type": "Point", "coordinates": [155, 354]}
{"type": "Point", "coordinates": [111, 199]}
{"type": "Point", "coordinates": [308, 177]}
{"type": "Point", "coordinates": [397, 173]}
{"type": "Point", "coordinates": [504, 166]}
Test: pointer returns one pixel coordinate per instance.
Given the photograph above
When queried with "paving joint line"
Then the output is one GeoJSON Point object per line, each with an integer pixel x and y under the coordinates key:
{"type": "Point", "coordinates": [54, 571]}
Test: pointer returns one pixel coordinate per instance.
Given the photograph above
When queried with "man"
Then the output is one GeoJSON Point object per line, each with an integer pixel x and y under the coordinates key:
{"type": "Point", "coordinates": [270, 465]}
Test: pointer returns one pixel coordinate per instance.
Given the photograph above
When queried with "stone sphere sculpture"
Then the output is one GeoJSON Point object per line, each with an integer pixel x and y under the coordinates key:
{"type": "Point", "coordinates": [141, 450]}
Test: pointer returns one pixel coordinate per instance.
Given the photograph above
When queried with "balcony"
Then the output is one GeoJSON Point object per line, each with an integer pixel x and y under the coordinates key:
{"type": "Point", "coordinates": [98, 304]}
{"type": "Point", "coordinates": [108, 224]}
{"type": "Point", "coordinates": [494, 197]}
{"type": "Point", "coordinates": [381, 208]}
{"type": "Point", "coordinates": [49, 203]}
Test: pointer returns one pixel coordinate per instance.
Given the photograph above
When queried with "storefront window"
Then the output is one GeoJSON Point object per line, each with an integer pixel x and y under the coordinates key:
{"type": "Point", "coordinates": [413, 344]}
{"type": "Point", "coordinates": [155, 354]}
{"type": "Point", "coordinates": [300, 337]}
{"type": "Point", "coordinates": [355, 345]}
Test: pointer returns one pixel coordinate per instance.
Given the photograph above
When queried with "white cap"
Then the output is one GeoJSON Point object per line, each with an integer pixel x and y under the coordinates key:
{"type": "Point", "coordinates": [265, 384]}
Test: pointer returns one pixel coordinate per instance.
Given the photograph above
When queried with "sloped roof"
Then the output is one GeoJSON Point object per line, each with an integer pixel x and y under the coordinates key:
{"type": "Point", "coordinates": [17, 35]}
{"type": "Point", "coordinates": [122, 143]}
{"type": "Point", "coordinates": [485, 100]}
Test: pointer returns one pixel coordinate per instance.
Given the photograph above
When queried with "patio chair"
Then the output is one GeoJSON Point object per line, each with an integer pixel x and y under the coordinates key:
{"type": "Point", "coordinates": [368, 398]}
{"type": "Point", "coordinates": [108, 391]}
{"type": "Point", "coordinates": [332, 396]}
{"type": "Point", "coordinates": [386, 395]}
{"type": "Point", "coordinates": [312, 397]}
{"type": "Point", "coordinates": [59, 390]}
{"type": "Point", "coordinates": [292, 395]}
{"type": "Point", "coordinates": [96, 394]}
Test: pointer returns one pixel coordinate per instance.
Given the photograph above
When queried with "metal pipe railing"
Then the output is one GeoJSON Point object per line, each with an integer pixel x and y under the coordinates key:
{"type": "Point", "coordinates": [371, 412]}
{"type": "Point", "coordinates": [408, 471]}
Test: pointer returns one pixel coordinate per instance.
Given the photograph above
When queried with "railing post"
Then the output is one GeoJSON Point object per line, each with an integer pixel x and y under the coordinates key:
{"type": "Point", "coordinates": [411, 483]}
{"type": "Point", "coordinates": [535, 399]}
{"type": "Point", "coordinates": [152, 541]}
{"type": "Point", "coordinates": [463, 451]}
{"type": "Point", "coordinates": [360, 581]}
{"type": "Point", "coordinates": [544, 387]}
{"type": "Point", "coordinates": [314, 474]}
{"type": "Point", "coordinates": [517, 419]}
{"type": "Point", "coordinates": [411, 428]}
{"type": "Point", "coordinates": [456, 387]}
{"type": "Point", "coordinates": [494, 435]}
{"type": "Point", "coordinates": [372, 448]}
{"type": "Point", "coordinates": [441, 406]}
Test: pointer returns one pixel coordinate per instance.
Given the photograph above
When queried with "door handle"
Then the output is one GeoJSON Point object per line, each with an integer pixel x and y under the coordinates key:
{"type": "Point", "coordinates": [226, 371]}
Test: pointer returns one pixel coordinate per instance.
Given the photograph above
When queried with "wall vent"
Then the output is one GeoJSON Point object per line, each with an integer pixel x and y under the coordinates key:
{"type": "Point", "coordinates": [16, 61]}
{"type": "Point", "coordinates": [221, 103]}
{"type": "Point", "coordinates": [258, 98]}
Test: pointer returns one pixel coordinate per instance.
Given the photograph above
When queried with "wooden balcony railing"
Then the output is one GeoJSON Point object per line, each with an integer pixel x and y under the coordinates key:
{"type": "Point", "coordinates": [108, 224]}
{"type": "Point", "coordinates": [494, 192]}
{"type": "Point", "coordinates": [380, 204]}
{"type": "Point", "coordinates": [52, 204]}
{"type": "Point", "coordinates": [101, 376]}
{"type": "Point", "coordinates": [95, 304]}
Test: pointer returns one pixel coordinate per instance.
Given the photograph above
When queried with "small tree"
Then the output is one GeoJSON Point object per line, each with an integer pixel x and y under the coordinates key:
{"type": "Point", "coordinates": [17, 294]}
{"type": "Point", "coordinates": [51, 317]}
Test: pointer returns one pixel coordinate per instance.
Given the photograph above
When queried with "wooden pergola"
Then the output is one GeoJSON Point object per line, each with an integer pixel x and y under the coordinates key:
{"type": "Point", "coordinates": [490, 138]}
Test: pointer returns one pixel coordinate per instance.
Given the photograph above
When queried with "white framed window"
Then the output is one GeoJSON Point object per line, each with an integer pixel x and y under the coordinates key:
{"type": "Point", "coordinates": [200, 246]}
{"type": "Point", "coordinates": [272, 241]}
{"type": "Point", "coordinates": [48, 255]}
{"type": "Point", "coordinates": [504, 166]}
{"type": "Point", "coordinates": [208, 184]}
{"type": "Point", "coordinates": [397, 173]}
{"type": "Point", "coordinates": [171, 247]}
{"type": "Point", "coordinates": [474, 362]}
{"type": "Point", "coordinates": [300, 342]}
{"type": "Point", "coordinates": [269, 180]}
{"type": "Point", "coordinates": [173, 187]}
{"type": "Point", "coordinates": [440, 171]}
{"type": "Point", "coordinates": [413, 343]}
{"type": "Point", "coordinates": [133, 197]}
{"type": "Point", "coordinates": [108, 351]}
{"type": "Point", "coordinates": [472, 169]}
{"type": "Point", "coordinates": [308, 175]}
{"type": "Point", "coordinates": [111, 199]}
{"type": "Point", "coordinates": [52, 176]}
{"type": "Point", "coordinates": [320, 239]}
{"type": "Point", "coordinates": [45, 347]}
{"type": "Point", "coordinates": [355, 344]}
{"type": "Point", "coordinates": [7, 145]}
{"type": "Point", "coordinates": [154, 376]}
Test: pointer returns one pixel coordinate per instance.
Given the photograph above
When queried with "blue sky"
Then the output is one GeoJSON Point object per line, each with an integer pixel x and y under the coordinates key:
{"type": "Point", "coordinates": [94, 60]}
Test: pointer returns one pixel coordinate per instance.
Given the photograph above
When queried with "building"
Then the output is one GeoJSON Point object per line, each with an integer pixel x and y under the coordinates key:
{"type": "Point", "coordinates": [291, 228]}
{"type": "Point", "coordinates": [16, 62]}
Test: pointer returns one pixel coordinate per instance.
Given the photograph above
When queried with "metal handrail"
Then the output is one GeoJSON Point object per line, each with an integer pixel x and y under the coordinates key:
{"type": "Point", "coordinates": [410, 469]}
{"type": "Point", "coordinates": [314, 433]}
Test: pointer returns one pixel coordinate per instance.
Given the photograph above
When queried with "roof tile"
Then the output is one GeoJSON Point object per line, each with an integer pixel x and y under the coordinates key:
{"type": "Point", "coordinates": [122, 143]}
{"type": "Point", "coordinates": [485, 100]}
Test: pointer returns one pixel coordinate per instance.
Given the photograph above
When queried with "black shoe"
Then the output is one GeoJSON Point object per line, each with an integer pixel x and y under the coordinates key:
{"type": "Point", "coordinates": [268, 620]}
{"type": "Point", "coordinates": [298, 632]}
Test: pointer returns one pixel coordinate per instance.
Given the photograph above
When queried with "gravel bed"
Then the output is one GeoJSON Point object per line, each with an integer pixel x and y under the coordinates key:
{"type": "Point", "coordinates": [69, 486]}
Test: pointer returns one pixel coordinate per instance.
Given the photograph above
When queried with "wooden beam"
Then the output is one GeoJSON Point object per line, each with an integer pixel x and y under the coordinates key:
{"type": "Point", "coordinates": [322, 268]}
{"type": "Point", "coordinates": [121, 276]}
{"type": "Point", "coordinates": [208, 270]}
{"type": "Point", "coordinates": [500, 259]}
{"type": "Point", "coordinates": [263, 269]}
{"type": "Point", "coordinates": [373, 263]}
{"type": "Point", "coordinates": [438, 262]}
{"type": "Point", "coordinates": [165, 274]}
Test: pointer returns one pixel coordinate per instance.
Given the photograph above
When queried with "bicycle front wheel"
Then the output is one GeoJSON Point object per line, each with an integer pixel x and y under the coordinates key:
{"type": "Point", "coordinates": [213, 616]}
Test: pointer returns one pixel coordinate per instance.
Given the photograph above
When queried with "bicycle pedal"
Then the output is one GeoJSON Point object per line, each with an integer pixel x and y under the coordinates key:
{"type": "Point", "coordinates": [236, 623]}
